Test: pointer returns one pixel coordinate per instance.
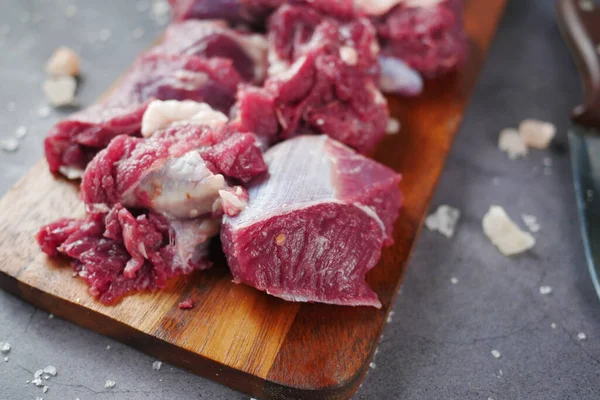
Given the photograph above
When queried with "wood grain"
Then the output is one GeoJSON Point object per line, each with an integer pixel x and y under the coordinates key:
{"type": "Point", "coordinates": [236, 335]}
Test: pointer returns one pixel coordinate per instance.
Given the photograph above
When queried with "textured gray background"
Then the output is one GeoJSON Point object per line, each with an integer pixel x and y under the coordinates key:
{"type": "Point", "coordinates": [438, 344]}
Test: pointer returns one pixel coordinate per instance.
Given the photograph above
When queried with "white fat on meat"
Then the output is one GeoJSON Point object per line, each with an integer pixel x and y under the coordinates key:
{"type": "Point", "coordinates": [381, 7]}
{"type": "Point", "coordinates": [537, 134]}
{"type": "Point", "coordinates": [181, 187]}
{"type": "Point", "coordinates": [193, 238]}
{"type": "Point", "coordinates": [349, 55]}
{"type": "Point", "coordinates": [505, 234]}
{"type": "Point", "coordinates": [161, 114]}
{"type": "Point", "coordinates": [397, 77]}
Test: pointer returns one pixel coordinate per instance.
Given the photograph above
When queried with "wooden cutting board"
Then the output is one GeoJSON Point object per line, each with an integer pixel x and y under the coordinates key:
{"type": "Point", "coordinates": [236, 335]}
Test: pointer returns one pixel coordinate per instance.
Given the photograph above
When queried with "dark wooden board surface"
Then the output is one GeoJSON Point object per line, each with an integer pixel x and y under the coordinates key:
{"type": "Point", "coordinates": [236, 335]}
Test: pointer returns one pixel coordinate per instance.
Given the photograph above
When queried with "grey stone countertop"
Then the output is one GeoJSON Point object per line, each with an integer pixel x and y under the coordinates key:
{"type": "Point", "coordinates": [439, 342]}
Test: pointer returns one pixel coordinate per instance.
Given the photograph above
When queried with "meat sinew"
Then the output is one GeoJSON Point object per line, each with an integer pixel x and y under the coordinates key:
{"type": "Point", "coordinates": [316, 225]}
{"type": "Point", "coordinates": [73, 142]}
{"type": "Point", "coordinates": [154, 204]}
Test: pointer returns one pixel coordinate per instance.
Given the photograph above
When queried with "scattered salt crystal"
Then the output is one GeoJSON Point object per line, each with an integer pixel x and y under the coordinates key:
{"type": "Point", "coordinates": [137, 33]}
{"type": "Point", "coordinates": [500, 372]}
{"type": "Point", "coordinates": [25, 17]}
{"type": "Point", "coordinates": [110, 384]}
{"type": "Point", "coordinates": [389, 319]}
{"type": "Point", "coordinates": [495, 353]}
{"type": "Point", "coordinates": [4, 347]}
{"type": "Point", "coordinates": [547, 162]}
{"type": "Point", "coordinates": [545, 290]}
{"type": "Point", "coordinates": [104, 35]}
{"type": "Point", "coordinates": [78, 300]}
{"type": "Point", "coordinates": [37, 382]}
{"type": "Point", "coordinates": [64, 61]}
{"type": "Point", "coordinates": [454, 280]}
{"type": "Point", "coordinates": [50, 370]}
{"type": "Point", "coordinates": [504, 233]}
{"type": "Point", "coordinates": [531, 222]}
{"type": "Point", "coordinates": [160, 8]}
{"type": "Point", "coordinates": [38, 373]}
{"type": "Point", "coordinates": [60, 91]}
{"type": "Point", "coordinates": [70, 11]}
{"type": "Point", "coordinates": [5, 359]}
{"type": "Point", "coordinates": [142, 5]}
{"type": "Point", "coordinates": [581, 336]}
{"type": "Point", "coordinates": [444, 220]}
{"type": "Point", "coordinates": [156, 365]}
{"type": "Point", "coordinates": [21, 132]}
{"type": "Point", "coordinates": [108, 347]}
{"type": "Point", "coordinates": [553, 325]}
{"type": "Point", "coordinates": [9, 144]}
{"type": "Point", "coordinates": [393, 126]}
{"type": "Point", "coordinates": [372, 365]}
{"type": "Point", "coordinates": [50, 316]}
{"type": "Point", "coordinates": [44, 112]}
{"type": "Point", "coordinates": [45, 389]}
{"type": "Point", "coordinates": [536, 133]}
{"type": "Point", "coordinates": [74, 274]}
{"type": "Point", "coordinates": [512, 143]}
{"type": "Point", "coordinates": [39, 398]}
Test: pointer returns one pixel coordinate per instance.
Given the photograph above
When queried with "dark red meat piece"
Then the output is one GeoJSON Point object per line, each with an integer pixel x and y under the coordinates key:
{"type": "Point", "coordinates": [187, 304]}
{"type": "Point", "coordinates": [316, 225]}
{"type": "Point", "coordinates": [118, 253]}
{"type": "Point", "coordinates": [73, 142]}
{"type": "Point", "coordinates": [253, 12]}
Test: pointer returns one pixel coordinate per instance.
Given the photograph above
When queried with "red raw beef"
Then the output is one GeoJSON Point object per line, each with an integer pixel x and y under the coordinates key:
{"type": "Point", "coordinates": [428, 35]}
{"type": "Point", "coordinates": [253, 12]}
{"type": "Point", "coordinates": [73, 142]}
{"type": "Point", "coordinates": [178, 172]}
{"type": "Point", "coordinates": [213, 39]}
{"type": "Point", "coordinates": [118, 253]}
{"type": "Point", "coordinates": [322, 81]}
{"type": "Point", "coordinates": [316, 225]}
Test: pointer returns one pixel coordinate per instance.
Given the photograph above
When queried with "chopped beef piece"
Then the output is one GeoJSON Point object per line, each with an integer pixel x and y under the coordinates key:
{"type": "Point", "coordinates": [316, 226]}
{"type": "Point", "coordinates": [187, 304]}
{"type": "Point", "coordinates": [318, 83]}
{"type": "Point", "coordinates": [427, 35]}
{"type": "Point", "coordinates": [178, 172]}
{"type": "Point", "coordinates": [118, 253]}
{"type": "Point", "coordinates": [210, 39]}
{"type": "Point", "coordinates": [73, 142]}
{"type": "Point", "coordinates": [253, 12]}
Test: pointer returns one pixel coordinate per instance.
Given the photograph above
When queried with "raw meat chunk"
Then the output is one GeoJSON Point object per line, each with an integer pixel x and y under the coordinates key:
{"type": "Point", "coordinates": [427, 35]}
{"type": "Point", "coordinates": [73, 142]}
{"type": "Point", "coordinates": [178, 172]}
{"type": "Point", "coordinates": [210, 39]}
{"type": "Point", "coordinates": [316, 226]}
{"type": "Point", "coordinates": [118, 253]}
{"type": "Point", "coordinates": [318, 83]}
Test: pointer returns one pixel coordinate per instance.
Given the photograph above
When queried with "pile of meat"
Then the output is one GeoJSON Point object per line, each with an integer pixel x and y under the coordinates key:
{"type": "Point", "coordinates": [256, 135]}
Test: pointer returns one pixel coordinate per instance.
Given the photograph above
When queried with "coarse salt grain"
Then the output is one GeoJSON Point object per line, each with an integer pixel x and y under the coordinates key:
{"type": "Point", "coordinates": [531, 222]}
{"type": "Point", "coordinates": [9, 145]}
{"type": "Point", "coordinates": [5, 359]}
{"type": "Point", "coordinates": [496, 353]}
{"type": "Point", "coordinates": [50, 370]}
{"type": "Point", "coordinates": [108, 347]}
{"type": "Point", "coordinates": [156, 365]}
{"type": "Point", "coordinates": [454, 280]}
{"type": "Point", "coordinates": [21, 132]}
{"type": "Point", "coordinates": [372, 365]}
{"type": "Point", "coordinates": [64, 61]}
{"type": "Point", "coordinates": [60, 91]}
{"type": "Point", "coordinates": [553, 325]}
{"type": "Point", "coordinates": [4, 347]}
{"type": "Point", "coordinates": [504, 233]}
{"type": "Point", "coordinates": [581, 336]}
{"type": "Point", "coordinates": [545, 290]}
{"type": "Point", "coordinates": [512, 143]}
{"type": "Point", "coordinates": [45, 389]}
{"type": "Point", "coordinates": [393, 126]}
{"type": "Point", "coordinates": [444, 220]}
{"type": "Point", "coordinates": [110, 384]}
{"type": "Point", "coordinates": [537, 134]}
{"type": "Point", "coordinates": [50, 316]}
